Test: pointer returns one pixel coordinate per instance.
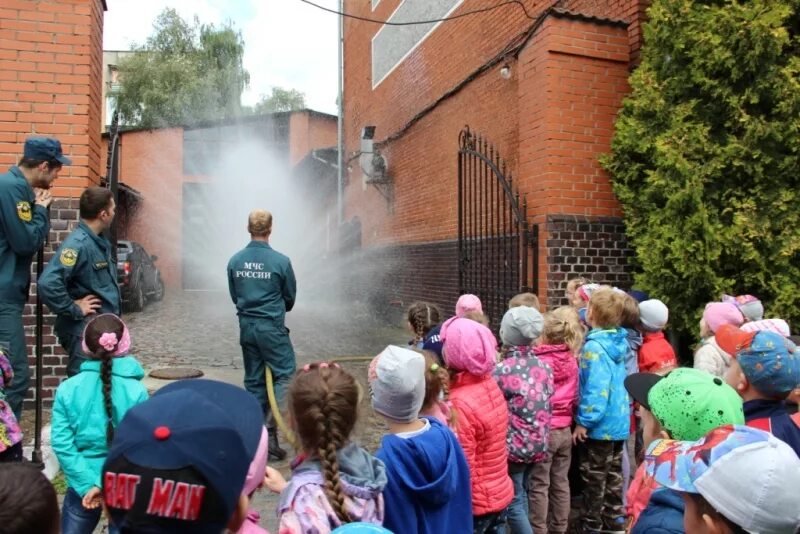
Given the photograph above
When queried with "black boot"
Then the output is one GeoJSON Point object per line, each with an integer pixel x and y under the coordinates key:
{"type": "Point", "coordinates": [276, 454]}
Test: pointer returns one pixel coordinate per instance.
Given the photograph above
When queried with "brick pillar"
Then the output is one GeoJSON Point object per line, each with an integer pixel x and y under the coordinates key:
{"type": "Point", "coordinates": [50, 84]}
{"type": "Point", "coordinates": [572, 78]}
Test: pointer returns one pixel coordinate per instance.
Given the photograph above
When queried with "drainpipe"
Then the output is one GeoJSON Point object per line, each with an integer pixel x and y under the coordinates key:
{"type": "Point", "coordinates": [340, 147]}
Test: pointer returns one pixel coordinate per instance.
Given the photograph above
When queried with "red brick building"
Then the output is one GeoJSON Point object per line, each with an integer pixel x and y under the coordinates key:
{"type": "Point", "coordinates": [542, 87]}
{"type": "Point", "coordinates": [50, 81]}
{"type": "Point", "coordinates": [171, 168]}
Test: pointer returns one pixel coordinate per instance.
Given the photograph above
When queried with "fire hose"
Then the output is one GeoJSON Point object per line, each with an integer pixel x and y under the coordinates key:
{"type": "Point", "coordinates": [273, 401]}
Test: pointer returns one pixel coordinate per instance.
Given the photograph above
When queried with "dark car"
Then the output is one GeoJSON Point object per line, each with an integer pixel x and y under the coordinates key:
{"type": "Point", "coordinates": [138, 277]}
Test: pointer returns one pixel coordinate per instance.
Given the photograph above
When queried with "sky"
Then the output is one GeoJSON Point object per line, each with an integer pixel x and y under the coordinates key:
{"type": "Point", "coordinates": [288, 43]}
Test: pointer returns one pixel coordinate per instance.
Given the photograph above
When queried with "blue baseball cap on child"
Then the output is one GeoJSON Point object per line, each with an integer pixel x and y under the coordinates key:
{"type": "Point", "coordinates": [770, 361]}
{"type": "Point", "coordinates": [45, 149]}
{"type": "Point", "coordinates": [179, 460]}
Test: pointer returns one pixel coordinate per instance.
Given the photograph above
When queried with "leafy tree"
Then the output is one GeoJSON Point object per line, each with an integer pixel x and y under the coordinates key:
{"type": "Point", "coordinates": [705, 157]}
{"type": "Point", "coordinates": [281, 100]}
{"type": "Point", "coordinates": [184, 72]}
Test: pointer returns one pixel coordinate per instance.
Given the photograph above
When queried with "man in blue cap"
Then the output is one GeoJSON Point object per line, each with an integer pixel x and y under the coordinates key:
{"type": "Point", "coordinates": [24, 225]}
{"type": "Point", "coordinates": [263, 288]}
{"type": "Point", "coordinates": [81, 278]}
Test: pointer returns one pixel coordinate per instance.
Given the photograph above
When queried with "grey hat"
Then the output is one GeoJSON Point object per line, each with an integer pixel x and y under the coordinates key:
{"type": "Point", "coordinates": [653, 314]}
{"type": "Point", "coordinates": [397, 382]}
{"type": "Point", "coordinates": [521, 325]}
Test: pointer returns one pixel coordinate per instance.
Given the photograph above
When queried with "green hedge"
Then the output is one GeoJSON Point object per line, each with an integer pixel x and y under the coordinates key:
{"type": "Point", "coordinates": [705, 156]}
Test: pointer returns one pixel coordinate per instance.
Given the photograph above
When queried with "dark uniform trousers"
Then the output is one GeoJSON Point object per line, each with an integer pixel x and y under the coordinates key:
{"type": "Point", "coordinates": [265, 344]}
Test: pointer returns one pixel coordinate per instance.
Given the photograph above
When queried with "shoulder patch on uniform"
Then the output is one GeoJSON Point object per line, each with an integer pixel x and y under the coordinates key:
{"type": "Point", "coordinates": [24, 210]}
{"type": "Point", "coordinates": [69, 256]}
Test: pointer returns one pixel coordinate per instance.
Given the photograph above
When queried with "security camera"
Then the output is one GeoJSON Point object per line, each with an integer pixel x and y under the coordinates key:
{"type": "Point", "coordinates": [368, 132]}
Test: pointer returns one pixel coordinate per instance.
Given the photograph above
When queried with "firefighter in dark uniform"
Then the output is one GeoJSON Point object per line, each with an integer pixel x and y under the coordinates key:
{"type": "Point", "coordinates": [263, 288]}
{"type": "Point", "coordinates": [24, 225]}
{"type": "Point", "coordinates": [81, 278]}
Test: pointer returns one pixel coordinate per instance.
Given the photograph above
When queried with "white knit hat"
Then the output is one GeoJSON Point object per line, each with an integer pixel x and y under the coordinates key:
{"type": "Point", "coordinates": [653, 314]}
{"type": "Point", "coordinates": [521, 325]}
{"type": "Point", "coordinates": [397, 383]}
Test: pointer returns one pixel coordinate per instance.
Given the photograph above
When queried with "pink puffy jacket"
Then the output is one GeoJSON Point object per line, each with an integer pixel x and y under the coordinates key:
{"type": "Point", "coordinates": [481, 425]}
{"type": "Point", "coordinates": [481, 412]}
{"type": "Point", "coordinates": [564, 364]}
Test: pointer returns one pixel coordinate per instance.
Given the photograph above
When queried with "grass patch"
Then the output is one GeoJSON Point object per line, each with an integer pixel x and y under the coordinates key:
{"type": "Point", "coordinates": [60, 483]}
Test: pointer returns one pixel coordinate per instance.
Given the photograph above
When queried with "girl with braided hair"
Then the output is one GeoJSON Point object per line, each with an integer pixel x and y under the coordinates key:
{"type": "Point", "coordinates": [86, 409]}
{"type": "Point", "coordinates": [333, 480]}
{"type": "Point", "coordinates": [422, 317]}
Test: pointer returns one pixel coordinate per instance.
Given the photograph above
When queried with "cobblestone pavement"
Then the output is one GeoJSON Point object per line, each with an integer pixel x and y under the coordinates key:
{"type": "Point", "coordinates": [200, 329]}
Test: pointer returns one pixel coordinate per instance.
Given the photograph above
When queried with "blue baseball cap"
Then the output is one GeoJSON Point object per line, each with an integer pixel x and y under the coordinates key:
{"type": "Point", "coordinates": [45, 149]}
{"type": "Point", "coordinates": [178, 461]}
{"type": "Point", "coordinates": [770, 361]}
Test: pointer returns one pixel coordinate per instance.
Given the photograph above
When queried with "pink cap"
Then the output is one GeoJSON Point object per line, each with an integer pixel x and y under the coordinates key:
{"type": "Point", "coordinates": [258, 467]}
{"type": "Point", "coordinates": [468, 303]}
{"type": "Point", "coordinates": [468, 346]}
{"type": "Point", "coordinates": [717, 314]}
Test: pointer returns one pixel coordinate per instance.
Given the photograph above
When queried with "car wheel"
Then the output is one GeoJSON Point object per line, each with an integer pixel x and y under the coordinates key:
{"type": "Point", "coordinates": [158, 294]}
{"type": "Point", "coordinates": [137, 297]}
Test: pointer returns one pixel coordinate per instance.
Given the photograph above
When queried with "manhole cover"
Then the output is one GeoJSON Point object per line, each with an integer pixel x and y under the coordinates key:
{"type": "Point", "coordinates": [176, 373]}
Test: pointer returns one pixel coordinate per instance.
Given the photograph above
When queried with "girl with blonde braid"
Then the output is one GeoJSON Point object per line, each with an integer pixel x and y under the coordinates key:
{"type": "Point", "coordinates": [86, 409]}
{"type": "Point", "coordinates": [333, 481]}
{"type": "Point", "coordinates": [421, 318]}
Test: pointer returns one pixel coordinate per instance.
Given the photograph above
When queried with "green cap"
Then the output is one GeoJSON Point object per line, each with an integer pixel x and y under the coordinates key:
{"type": "Point", "coordinates": [688, 403]}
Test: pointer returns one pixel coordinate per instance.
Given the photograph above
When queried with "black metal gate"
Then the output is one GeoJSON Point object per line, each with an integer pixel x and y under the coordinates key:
{"type": "Point", "coordinates": [498, 249]}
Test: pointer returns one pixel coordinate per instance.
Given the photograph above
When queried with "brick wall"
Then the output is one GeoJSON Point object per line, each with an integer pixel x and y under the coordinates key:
{"type": "Point", "coordinates": [50, 76]}
{"type": "Point", "coordinates": [550, 120]}
{"type": "Point", "coordinates": [309, 130]}
{"type": "Point", "coordinates": [594, 247]}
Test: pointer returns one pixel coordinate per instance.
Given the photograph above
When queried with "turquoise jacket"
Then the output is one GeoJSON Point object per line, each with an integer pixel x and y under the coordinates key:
{"type": "Point", "coordinates": [79, 418]}
{"type": "Point", "coordinates": [604, 407]}
{"type": "Point", "coordinates": [23, 229]}
{"type": "Point", "coordinates": [82, 265]}
{"type": "Point", "coordinates": [261, 282]}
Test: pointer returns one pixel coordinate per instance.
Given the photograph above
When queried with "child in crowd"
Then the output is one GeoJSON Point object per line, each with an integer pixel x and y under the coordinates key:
{"type": "Point", "coordinates": [779, 326]}
{"type": "Point", "coordinates": [656, 355]}
{"type": "Point", "coordinates": [428, 476]}
{"type": "Point", "coordinates": [86, 410]}
{"type": "Point", "coordinates": [630, 322]}
{"type": "Point", "coordinates": [468, 303]}
{"type": "Point", "coordinates": [421, 318]}
{"type": "Point", "coordinates": [562, 339]}
{"type": "Point", "coordinates": [685, 404]}
{"type": "Point", "coordinates": [28, 501]}
{"type": "Point", "coordinates": [10, 432]}
{"type": "Point", "coordinates": [709, 356]}
{"type": "Point", "coordinates": [179, 461]}
{"type": "Point", "coordinates": [750, 307]}
{"type": "Point", "coordinates": [527, 385]}
{"type": "Point", "coordinates": [333, 481]}
{"type": "Point", "coordinates": [254, 480]}
{"type": "Point", "coordinates": [437, 392]}
{"type": "Point", "coordinates": [603, 415]}
{"type": "Point", "coordinates": [525, 299]}
{"type": "Point", "coordinates": [572, 287]}
{"type": "Point", "coordinates": [764, 370]}
{"type": "Point", "coordinates": [735, 479]}
{"type": "Point", "coordinates": [469, 351]}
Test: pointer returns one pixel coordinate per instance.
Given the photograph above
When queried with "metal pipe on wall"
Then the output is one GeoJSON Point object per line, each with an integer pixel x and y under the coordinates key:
{"type": "Point", "coordinates": [340, 124]}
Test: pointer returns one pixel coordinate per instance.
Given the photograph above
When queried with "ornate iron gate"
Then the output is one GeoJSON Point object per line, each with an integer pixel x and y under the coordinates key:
{"type": "Point", "coordinates": [498, 249]}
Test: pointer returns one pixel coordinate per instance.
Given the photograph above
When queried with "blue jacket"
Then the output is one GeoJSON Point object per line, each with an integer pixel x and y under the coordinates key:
{"type": "Point", "coordinates": [23, 229]}
{"type": "Point", "coordinates": [429, 486]}
{"type": "Point", "coordinates": [604, 407]}
{"type": "Point", "coordinates": [773, 416]}
{"type": "Point", "coordinates": [81, 266]}
{"type": "Point", "coordinates": [663, 515]}
{"type": "Point", "coordinates": [79, 418]}
{"type": "Point", "coordinates": [261, 282]}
